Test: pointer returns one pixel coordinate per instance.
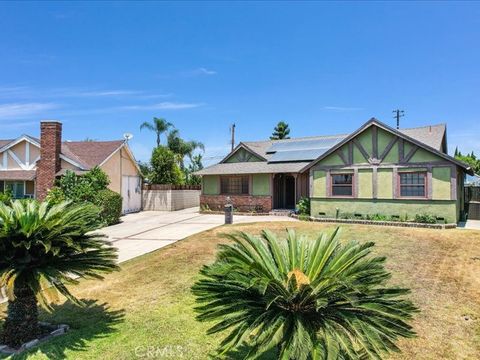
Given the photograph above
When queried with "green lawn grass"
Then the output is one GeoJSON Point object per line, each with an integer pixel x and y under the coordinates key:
{"type": "Point", "coordinates": [145, 311]}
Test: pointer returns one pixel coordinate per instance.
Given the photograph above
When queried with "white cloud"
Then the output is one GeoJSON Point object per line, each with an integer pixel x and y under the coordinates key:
{"type": "Point", "coordinates": [22, 110]}
{"type": "Point", "coordinates": [205, 71]}
{"type": "Point", "coordinates": [162, 106]}
{"type": "Point", "coordinates": [341, 108]}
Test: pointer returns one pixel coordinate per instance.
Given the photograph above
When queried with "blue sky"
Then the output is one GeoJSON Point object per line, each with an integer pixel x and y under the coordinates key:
{"type": "Point", "coordinates": [325, 68]}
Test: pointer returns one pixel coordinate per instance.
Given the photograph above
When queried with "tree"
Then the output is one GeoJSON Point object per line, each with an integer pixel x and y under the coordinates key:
{"type": "Point", "coordinates": [470, 160]}
{"type": "Point", "coordinates": [181, 147]}
{"type": "Point", "coordinates": [195, 165]}
{"type": "Point", "coordinates": [158, 125]}
{"type": "Point", "coordinates": [42, 248]}
{"type": "Point", "coordinates": [303, 299]}
{"type": "Point", "coordinates": [280, 131]}
{"type": "Point", "coordinates": [164, 167]}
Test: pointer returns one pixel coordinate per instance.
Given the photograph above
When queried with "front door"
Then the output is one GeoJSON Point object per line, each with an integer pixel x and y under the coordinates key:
{"type": "Point", "coordinates": [284, 191]}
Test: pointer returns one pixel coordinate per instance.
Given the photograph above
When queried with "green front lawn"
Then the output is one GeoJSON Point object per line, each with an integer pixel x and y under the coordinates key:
{"type": "Point", "coordinates": [145, 311]}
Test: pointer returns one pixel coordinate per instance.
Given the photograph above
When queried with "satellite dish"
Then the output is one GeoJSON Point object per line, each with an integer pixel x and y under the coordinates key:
{"type": "Point", "coordinates": [127, 136]}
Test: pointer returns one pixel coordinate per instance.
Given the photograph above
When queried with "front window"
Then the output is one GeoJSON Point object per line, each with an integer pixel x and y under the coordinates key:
{"type": "Point", "coordinates": [342, 185]}
{"type": "Point", "coordinates": [413, 184]}
{"type": "Point", "coordinates": [16, 188]}
{"type": "Point", "coordinates": [234, 185]}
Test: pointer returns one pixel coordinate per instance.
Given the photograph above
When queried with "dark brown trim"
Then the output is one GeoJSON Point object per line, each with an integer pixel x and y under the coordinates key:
{"type": "Point", "coordinates": [340, 153]}
{"type": "Point", "coordinates": [375, 142]}
{"type": "Point", "coordinates": [453, 183]}
{"type": "Point", "coordinates": [350, 153]}
{"type": "Point", "coordinates": [362, 149]}
{"type": "Point", "coordinates": [389, 147]}
{"type": "Point", "coordinates": [401, 149]}
{"type": "Point", "coordinates": [410, 154]}
{"type": "Point", "coordinates": [374, 182]}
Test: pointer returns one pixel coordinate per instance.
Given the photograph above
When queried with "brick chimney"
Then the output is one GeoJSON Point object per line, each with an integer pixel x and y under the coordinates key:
{"type": "Point", "coordinates": [49, 163]}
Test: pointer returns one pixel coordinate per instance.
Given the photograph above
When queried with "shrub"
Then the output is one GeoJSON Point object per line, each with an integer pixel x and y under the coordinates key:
{"type": "Point", "coordinates": [110, 204]}
{"type": "Point", "coordinates": [425, 219]}
{"type": "Point", "coordinates": [302, 298]}
{"type": "Point", "coordinates": [304, 217]}
{"type": "Point", "coordinates": [380, 217]}
{"type": "Point", "coordinates": [55, 195]}
{"type": "Point", "coordinates": [6, 197]}
{"type": "Point", "coordinates": [303, 206]}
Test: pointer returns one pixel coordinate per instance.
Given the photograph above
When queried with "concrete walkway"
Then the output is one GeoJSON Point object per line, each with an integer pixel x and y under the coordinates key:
{"type": "Point", "coordinates": [146, 231]}
{"type": "Point", "coordinates": [470, 224]}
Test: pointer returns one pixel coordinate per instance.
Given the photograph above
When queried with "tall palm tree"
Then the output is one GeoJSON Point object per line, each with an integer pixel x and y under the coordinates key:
{"type": "Point", "coordinates": [43, 248]}
{"type": "Point", "coordinates": [181, 147]}
{"type": "Point", "coordinates": [281, 131]}
{"type": "Point", "coordinates": [158, 125]}
{"type": "Point", "coordinates": [304, 299]}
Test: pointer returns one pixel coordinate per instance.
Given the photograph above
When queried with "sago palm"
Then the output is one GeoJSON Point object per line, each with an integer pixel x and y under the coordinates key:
{"type": "Point", "coordinates": [43, 248]}
{"type": "Point", "coordinates": [301, 298]}
{"type": "Point", "coordinates": [158, 125]}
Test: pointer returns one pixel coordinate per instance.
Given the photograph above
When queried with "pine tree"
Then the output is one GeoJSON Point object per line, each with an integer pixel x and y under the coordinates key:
{"type": "Point", "coordinates": [280, 131]}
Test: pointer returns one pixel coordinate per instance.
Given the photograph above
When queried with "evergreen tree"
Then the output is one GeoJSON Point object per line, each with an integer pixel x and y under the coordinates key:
{"type": "Point", "coordinates": [281, 131]}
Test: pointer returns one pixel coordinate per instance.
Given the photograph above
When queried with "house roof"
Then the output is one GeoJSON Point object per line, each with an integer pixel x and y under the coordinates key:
{"type": "Point", "coordinates": [17, 174]}
{"type": "Point", "coordinates": [254, 167]}
{"type": "Point", "coordinates": [430, 137]}
{"type": "Point", "coordinates": [90, 153]}
{"type": "Point", "coordinates": [399, 133]}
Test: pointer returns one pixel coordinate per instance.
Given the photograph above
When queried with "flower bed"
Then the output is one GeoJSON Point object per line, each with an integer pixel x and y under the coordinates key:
{"type": "Point", "coordinates": [379, 223]}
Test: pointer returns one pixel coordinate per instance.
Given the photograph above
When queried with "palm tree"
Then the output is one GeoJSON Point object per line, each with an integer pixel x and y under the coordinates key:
{"type": "Point", "coordinates": [158, 125]}
{"type": "Point", "coordinates": [181, 147]}
{"type": "Point", "coordinates": [280, 131]}
{"type": "Point", "coordinates": [43, 247]}
{"type": "Point", "coordinates": [303, 299]}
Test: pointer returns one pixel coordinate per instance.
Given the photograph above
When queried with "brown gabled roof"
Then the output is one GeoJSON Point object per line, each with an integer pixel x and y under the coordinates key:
{"type": "Point", "coordinates": [90, 153]}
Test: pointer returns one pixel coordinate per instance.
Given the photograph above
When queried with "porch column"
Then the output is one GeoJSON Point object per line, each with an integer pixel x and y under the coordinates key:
{"type": "Point", "coordinates": [295, 188]}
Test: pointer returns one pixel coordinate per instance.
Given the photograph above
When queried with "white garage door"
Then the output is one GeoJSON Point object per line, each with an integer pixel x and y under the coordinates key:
{"type": "Point", "coordinates": [132, 194]}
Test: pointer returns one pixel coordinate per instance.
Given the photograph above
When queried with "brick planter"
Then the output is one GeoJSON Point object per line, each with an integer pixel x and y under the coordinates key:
{"type": "Point", "coordinates": [241, 203]}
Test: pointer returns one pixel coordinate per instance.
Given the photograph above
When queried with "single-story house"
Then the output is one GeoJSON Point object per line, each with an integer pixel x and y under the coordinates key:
{"type": "Point", "coordinates": [374, 170]}
{"type": "Point", "coordinates": [29, 166]}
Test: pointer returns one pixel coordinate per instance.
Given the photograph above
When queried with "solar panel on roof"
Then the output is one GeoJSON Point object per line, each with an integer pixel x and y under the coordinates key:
{"type": "Point", "coordinates": [302, 150]}
{"type": "Point", "coordinates": [296, 155]}
{"type": "Point", "coordinates": [320, 143]}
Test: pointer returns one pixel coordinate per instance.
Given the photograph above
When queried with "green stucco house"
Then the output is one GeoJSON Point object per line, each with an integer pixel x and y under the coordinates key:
{"type": "Point", "coordinates": [374, 170]}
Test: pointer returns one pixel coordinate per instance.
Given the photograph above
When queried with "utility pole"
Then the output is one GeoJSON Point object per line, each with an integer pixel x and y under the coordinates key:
{"type": "Point", "coordinates": [398, 114]}
{"type": "Point", "coordinates": [232, 129]}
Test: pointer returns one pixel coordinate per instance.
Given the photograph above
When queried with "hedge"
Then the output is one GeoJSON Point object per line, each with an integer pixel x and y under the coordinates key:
{"type": "Point", "coordinates": [110, 204]}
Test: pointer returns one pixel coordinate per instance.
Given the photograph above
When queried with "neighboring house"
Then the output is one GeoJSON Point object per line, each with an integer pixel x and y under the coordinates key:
{"type": "Point", "coordinates": [29, 166]}
{"type": "Point", "coordinates": [374, 170]}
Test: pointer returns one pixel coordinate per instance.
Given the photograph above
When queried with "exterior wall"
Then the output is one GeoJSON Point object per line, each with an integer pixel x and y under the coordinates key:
{"type": "Point", "coordinates": [402, 208]}
{"type": "Point", "coordinates": [261, 184]}
{"type": "Point", "coordinates": [243, 203]}
{"type": "Point", "coordinates": [170, 200]}
{"type": "Point", "coordinates": [210, 185]}
{"type": "Point", "coordinates": [259, 198]}
{"type": "Point", "coordinates": [376, 157]}
{"type": "Point", "coordinates": [119, 165]}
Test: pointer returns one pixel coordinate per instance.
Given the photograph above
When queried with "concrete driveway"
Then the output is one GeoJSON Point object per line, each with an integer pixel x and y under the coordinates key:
{"type": "Point", "coordinates": [146, 231]}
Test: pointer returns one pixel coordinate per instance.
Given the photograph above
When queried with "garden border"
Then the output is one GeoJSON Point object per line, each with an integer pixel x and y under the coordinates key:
{"type": "Point", "coordinates": [380, 223]}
